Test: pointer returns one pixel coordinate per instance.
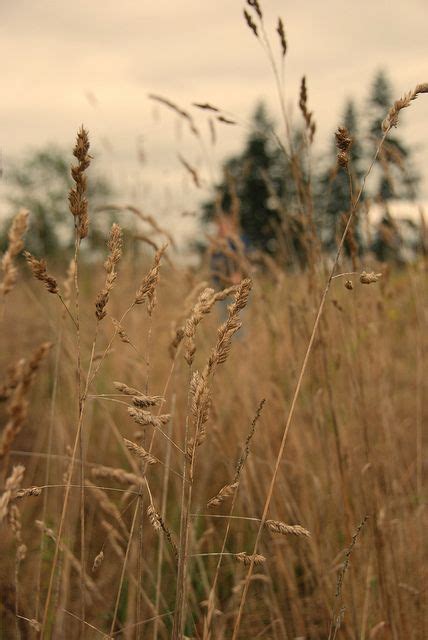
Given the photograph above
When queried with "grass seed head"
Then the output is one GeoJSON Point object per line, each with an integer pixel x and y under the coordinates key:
{"type": "Point", "coordinates": [276, 526]}
{"type": "Point", "coordinates": [39, 271]}
{"type": "Point", "coordinates": [78, 202]}
{"type": "Point", "coordinates": [369, 278]}
{"type": "Point", "coordinates": [16, 243]}
{"type": "Point", "coordinates": [246, 559]}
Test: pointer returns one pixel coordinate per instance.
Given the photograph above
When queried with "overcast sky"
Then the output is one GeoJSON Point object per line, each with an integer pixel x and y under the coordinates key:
{"type": "Point", "coordinates": [95, 62]}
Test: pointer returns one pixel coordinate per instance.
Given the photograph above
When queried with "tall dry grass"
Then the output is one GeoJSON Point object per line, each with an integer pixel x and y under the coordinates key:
{"type": "Point", "coordinates": [168, 472]}
{"type": "Point", "coordinates": [354, 452]}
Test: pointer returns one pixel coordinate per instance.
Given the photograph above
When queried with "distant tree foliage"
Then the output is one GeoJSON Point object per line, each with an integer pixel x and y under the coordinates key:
{"type": "Point", "coordinates": [259, 189]}
{"type": "Point", "coordinates": [396, 176]}
{"type": "Point", "coordinates": [255, 174]}
{"type": "Point", "coordinates": [270, 195]}
{"type": "Point", "coordinates": [41, 184]}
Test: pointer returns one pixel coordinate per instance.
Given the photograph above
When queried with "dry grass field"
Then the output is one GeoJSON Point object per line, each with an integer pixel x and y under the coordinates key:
{"type": "Point", "coordinates": [179, 460]}
{"type": "Point", "coordinates": [352, 462]}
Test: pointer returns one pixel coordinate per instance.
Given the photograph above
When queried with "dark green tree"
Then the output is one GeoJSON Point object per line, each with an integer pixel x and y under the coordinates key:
{"type": "Point", "coordinates": [41, 184]}
{"type": "Point", "coordinates": [396, 175]}
{"type": "Point", "coordinates": [262, 183]}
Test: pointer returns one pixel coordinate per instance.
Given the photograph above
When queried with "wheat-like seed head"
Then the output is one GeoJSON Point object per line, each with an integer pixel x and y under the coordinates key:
{"type": "Point", "coordinates": [123, 388]}
{"type": "Point", "coordinates": [77, 197]}
{"type": "Point", "coordinates": [343, 143]}
{"type": "Point", "coordinates": [147, 289]}
{"type": "Point", "coordinates": [12, 487]}
{"type": "Point", "coordinates": [369, 278]}
{"type": "Point", "coordinates": [139, 451]}
{"type": "Point", "coordinates": [226, 492]}
{"type": "Point", "coordinates": [124, 477]}
{"type": "Point", "coordinates": [391, 119]}
{"type": "Point", "coordinates": [15, 236]}
{"type": "Point", "coordinates": [30, 491]}
{"type": "Point", "coordinates": [159, 525]}
{"type": "Point", "coordinates": [282, 40]}
{"type": "Point", "coordinates": [39, 270]}
{"type": "Point", "coordinates": [123, 336]}
{"type": "Point", "coordinates": [17, 409]}
{"type": "Point", "coordinates": [247, 559]}
{"type": "Point", "coordinates": [286, 529]}
{"type": "Point", "coordinates": [307, 115]}
{"type": "Point", "coordinates": [115, 253]}
{"type": "Point", "coordinates": [146, 418]}
{"type": "Point", "coordinates": [250, 22]}
{"type": "Point", "coordinates": [98, 560]}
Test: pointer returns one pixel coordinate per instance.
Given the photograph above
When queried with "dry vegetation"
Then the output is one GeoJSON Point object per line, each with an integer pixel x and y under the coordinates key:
{"type": "Point", "coordinates": [167, 472]}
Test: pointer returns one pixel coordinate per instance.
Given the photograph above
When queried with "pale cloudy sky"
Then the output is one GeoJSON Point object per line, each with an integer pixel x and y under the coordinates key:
{"type": "Point", "coordinates": [95, 62]}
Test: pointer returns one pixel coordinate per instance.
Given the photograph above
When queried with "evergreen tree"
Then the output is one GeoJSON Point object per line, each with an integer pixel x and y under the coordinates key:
{"type": "Point", "coordinates": [396, 175]}
{"type": "Point", "coordinates": [261, 181]}
{"type": "Point", "coordinates": [397, 178]}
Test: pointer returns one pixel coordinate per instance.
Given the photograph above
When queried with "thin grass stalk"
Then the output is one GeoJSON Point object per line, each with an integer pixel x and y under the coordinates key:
{"type": "Point", "coordinates": [77, 442]}
{"type": "Point", "coordinates": [419, 385]}
{"type": "Point", "coordinates": [82, 402]}
{"type": "Point", "coordinates": [218, 356]}
{"type": "Point", "coordinates": [207, 633]}
{"type": "Point", "coordinates": [161, 542]}
{"type": "Point", "coordinates": [181, 573]}
{"type": "Point", "coordinates": [122, 575]}
{"type": "Point", "coordinates": [81, 445]}
{"type": "Point", "coordinates": [48, 462]}
{"type": "Point", "coordinates": [143, 471]}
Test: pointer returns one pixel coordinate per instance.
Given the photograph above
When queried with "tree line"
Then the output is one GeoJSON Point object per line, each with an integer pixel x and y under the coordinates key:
{"type": "Point", "coordinates": [263, 180]}
{"type": "Point", "coordinates": [261, 188]}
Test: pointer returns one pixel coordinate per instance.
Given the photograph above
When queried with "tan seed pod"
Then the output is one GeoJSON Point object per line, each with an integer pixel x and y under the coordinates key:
{"type": "Point", "coordinates": [391, 119]}
{"type": "Point", "coordinates": [78, 202]}
{"type": "Point", "coordinates": [123, 388]}
{"type": "Point", "coordinates": [226, 492]}
{"type": "Point", "coordinates": [30, 491]}
{"type": "Point", "coordinates": [343, 143]}
{"type": "Point", "coordinates": [142, 401]}
{"type": "Point", "coordinates": [98, 560]}
{"type": "Point", "coordinates": [146, 418]}
{"type": "Point", "coordinates": [121, 331]}
{"type": "Point", "coordinates": [140, 452]}
{"type": "Point", "coordinates": [15, 236]}
{"type": "Point", "coordinates": [282, 39]}
{"type": "Point", "coordinates": [39, 270]}
{"type": "Point", "coordinates": [246, 559]}
{"type": "Point", "coordinates": [124, 477]}
{"type": "Point", "coordinates": [369, 278]}
{"type": "Point", "coordinates": [276, 526]}
{"type": "Point", "coordinates": [154, 518]}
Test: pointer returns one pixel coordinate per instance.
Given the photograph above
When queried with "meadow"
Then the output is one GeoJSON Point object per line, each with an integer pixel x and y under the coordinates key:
{"type": "Point", "coordinates": [187, 460]}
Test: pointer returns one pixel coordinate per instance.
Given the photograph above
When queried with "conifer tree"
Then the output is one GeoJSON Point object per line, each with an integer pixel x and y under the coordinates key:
{"type": "Point", "coordinates": [259, 178]}
{"type": "Point", "coordinates": [396, 175]}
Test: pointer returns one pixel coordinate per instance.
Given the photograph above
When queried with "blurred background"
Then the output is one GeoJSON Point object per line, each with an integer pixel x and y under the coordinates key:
{"type": "Point", "coordinates": [98, 63]}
